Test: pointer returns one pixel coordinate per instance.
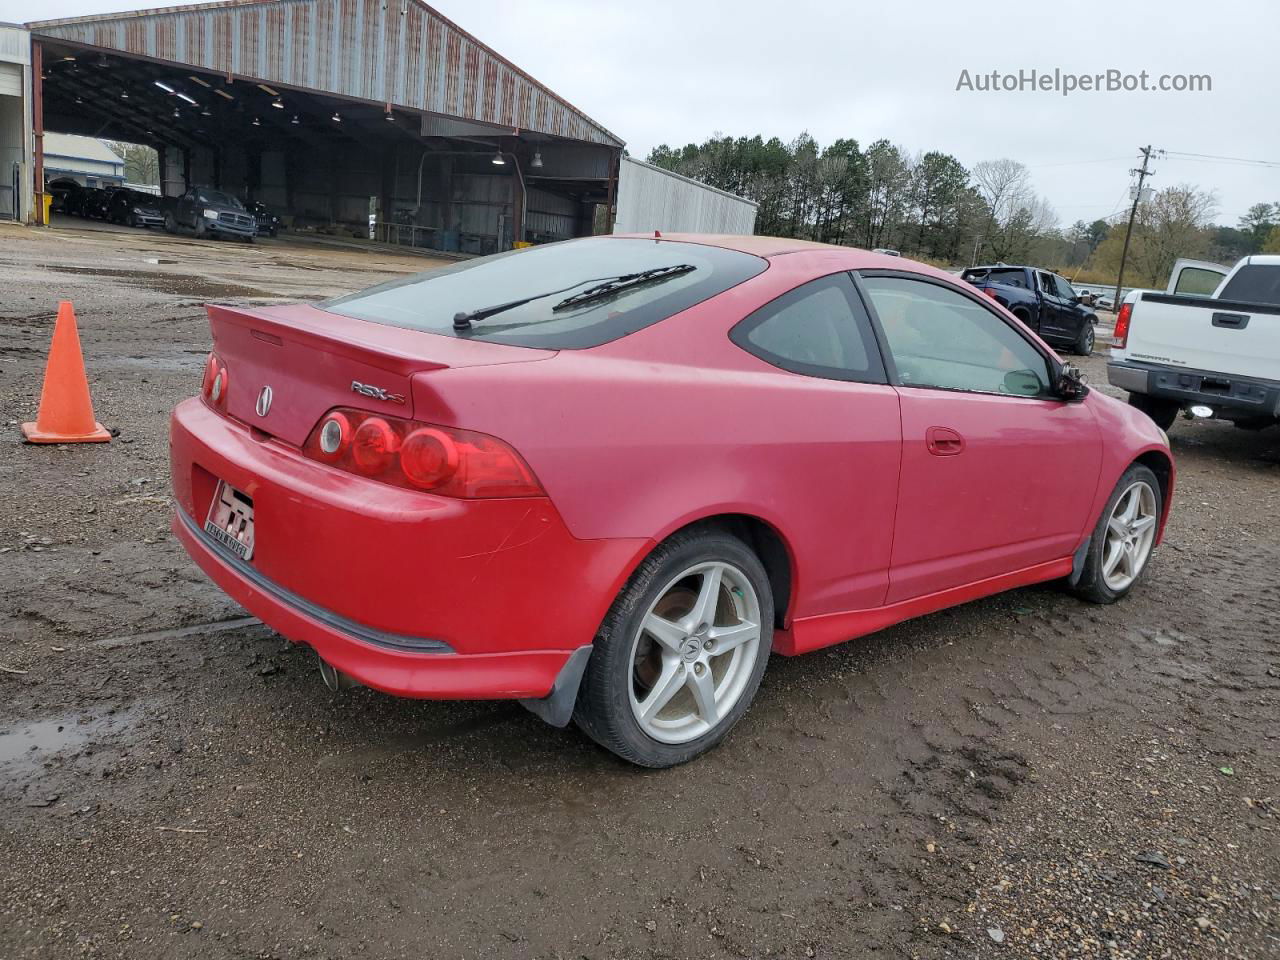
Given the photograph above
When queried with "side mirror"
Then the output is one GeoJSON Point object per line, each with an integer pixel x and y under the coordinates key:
{"type": "Point", "coordinates": [1070, 385]}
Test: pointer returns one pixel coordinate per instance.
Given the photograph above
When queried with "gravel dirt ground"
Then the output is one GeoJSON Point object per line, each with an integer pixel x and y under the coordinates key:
{"type": "Point", "coordinates": [1025, 776]}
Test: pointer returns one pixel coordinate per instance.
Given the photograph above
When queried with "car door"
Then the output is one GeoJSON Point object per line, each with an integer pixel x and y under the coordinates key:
{"type": "Point", "coordinates": [830, 399]}
{"type": "Point", "coordinates": [997, 474]}
{"type": "Point", "coordinates": [1195, 278]}
{"type": "Point", "coordinates": [1055, 318]}
{"type": "Point", "coordinates": [1075, 314]}
{"type": "Point", "coordinates": [186, 209]}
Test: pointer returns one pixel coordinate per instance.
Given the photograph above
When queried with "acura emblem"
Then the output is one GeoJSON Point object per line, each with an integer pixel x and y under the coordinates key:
{"type": "Point", "coordinates": [264, 402]}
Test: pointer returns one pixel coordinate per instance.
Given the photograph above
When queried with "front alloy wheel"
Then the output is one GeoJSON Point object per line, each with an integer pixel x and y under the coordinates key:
{"type": "Point", "coordinates": [681, 652]}
{"type": "Point", "coordinates": [1131, 533]}
{"type": "Point", "coordinates": [1124, 538]}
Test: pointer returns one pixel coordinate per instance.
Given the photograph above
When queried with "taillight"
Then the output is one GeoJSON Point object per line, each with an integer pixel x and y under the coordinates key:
{"type": "Point", "coordinates": [990, 292]}
{"type": "Point", "coordinates": [421, 456]}
{"type": "Point", "coordinates": [216, 381]}
{"type": "Point", "coordinates": [1122, 325]}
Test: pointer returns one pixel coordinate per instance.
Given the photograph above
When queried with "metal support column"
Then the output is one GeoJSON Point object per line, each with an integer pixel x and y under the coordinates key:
{"type": "Point", "coordinates": [37, 127]}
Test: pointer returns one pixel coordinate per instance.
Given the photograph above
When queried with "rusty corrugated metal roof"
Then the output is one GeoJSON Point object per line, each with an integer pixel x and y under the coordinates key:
{"type": "Point", "coordinates": [400, 52]}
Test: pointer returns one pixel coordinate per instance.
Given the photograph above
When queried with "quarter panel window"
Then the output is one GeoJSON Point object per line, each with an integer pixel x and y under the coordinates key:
{"type": "Point", "coordinates": [940, 338]}
{"type": "Point", "coordinates": [819, 329]}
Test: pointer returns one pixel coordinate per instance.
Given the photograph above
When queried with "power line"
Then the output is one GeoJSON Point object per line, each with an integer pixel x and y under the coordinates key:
{"type": "Point", "coordinates": [1073, 163]}
{"type": "Point", "coordinates": [1211, 156]}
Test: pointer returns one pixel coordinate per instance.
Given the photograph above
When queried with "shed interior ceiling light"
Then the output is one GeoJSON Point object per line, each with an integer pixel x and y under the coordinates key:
{"type": "Point", "coordinates": [337, 117]}
{"type": "Point", "coordinates": [277, 103]}
{"type": "Point", "coordinates": [263, 87]}
{"type": "Point", "coordinates": [389, 117]}
{"type": "Point", "coordinates": [195, 79]}
{"type": "Point", "coordinates": [72, 59]}
{"type": "Point", "coordinates": [183, 96]}
{"type": "Point", "coordinates": [257, 122]}
{"type": "Point", "coordinates": [295, 119]}
{"type": "Point", "coordinates": [223, 93]}
{"type": "Point", "coordinates": [124, 94]}
{"type": "Point", "coordinates": [536, 163]}
{"type": "Point", "coordinates": [498, 161]}
{"type": "Point", "coordinates": [164, 86]}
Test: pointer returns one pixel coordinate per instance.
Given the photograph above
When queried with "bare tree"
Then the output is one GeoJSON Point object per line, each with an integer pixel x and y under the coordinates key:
{"type": "Point", "coordinates": [1172, 225]}
{"type": "Point", "coordinates": [1015, 215]}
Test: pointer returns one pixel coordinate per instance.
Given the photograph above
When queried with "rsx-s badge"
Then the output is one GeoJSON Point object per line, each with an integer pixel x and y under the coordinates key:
{"type": "Point", "coordinates": [377, 393]}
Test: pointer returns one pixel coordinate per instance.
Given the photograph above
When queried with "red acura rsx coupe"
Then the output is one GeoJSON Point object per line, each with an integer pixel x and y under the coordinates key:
{"type": "Point", "coordinates": [608, 477]}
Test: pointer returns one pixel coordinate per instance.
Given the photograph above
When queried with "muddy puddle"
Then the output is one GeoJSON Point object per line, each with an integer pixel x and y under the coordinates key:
{"type": "Point", "coordinates": [24, 749]}
{"type": "Point", "coordinates": [175, 284]}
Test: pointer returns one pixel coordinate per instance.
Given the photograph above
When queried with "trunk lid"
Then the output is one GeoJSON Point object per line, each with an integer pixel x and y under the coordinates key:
{"type": "Point", "coordinates": [314, 360]}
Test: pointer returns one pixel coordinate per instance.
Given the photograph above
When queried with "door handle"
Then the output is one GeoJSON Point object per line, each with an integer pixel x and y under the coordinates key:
{"type": "Point", "coordinates": [943, 441]}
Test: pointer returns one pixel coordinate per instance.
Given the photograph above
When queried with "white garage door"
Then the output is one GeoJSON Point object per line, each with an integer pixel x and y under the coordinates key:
{"type": "Point", "coordinates": [10, 79]}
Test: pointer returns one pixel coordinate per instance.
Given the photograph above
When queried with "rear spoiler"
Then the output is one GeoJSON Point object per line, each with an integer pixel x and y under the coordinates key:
{"type": "Point", "coordinates": [393, 349]}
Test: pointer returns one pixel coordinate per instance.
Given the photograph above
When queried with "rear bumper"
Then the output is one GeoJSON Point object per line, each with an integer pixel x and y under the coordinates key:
{"type": "Point", "coordinates": [411, 594]}
{"type": "Point", "coordinates": [1229, 395]}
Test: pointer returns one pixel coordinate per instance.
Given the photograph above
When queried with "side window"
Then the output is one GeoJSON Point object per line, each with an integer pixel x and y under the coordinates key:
{"type": "Point", "coordinates": [1047, 286]}
{"type": "Point", "coordinates": [1195, 282]}
{"type": "Point", "coordinates": [940, 338]}
{"type": "Point", "coordinates": [819, 329]}
{"type": "Point", "coordinates": [1065, 290]}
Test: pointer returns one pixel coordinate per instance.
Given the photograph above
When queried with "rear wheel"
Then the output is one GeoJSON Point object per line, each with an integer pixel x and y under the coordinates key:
{"type": "Point", "coordinates": [1124, 538]}
{"type": "Point", "coordinates": [1163, 412]}
{"type": "Point", "coordinates": [1084, 343]}
{"type": "Point", "coordinates": [680, 654]}
{"type": "Point", "coordinates": [170, 223]}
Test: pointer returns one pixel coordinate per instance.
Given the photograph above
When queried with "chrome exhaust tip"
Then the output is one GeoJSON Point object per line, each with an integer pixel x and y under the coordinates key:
{"type": "Point", "coordinates": [334, 678]}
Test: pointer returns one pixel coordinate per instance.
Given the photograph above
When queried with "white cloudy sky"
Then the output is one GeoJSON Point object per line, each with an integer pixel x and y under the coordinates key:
{"type": "Point", "coordinates": [657, 71]}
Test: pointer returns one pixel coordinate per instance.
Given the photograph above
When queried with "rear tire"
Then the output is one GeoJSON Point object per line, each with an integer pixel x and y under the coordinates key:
{"type": "Point", "coordinates": [656, 692]}
{"type": "Point", "coordinates": [1123, 541]}
{"type": "Point", "coordinates": [1162, 412]}
{"type": "Point", "coordinates": [170, 223]}
{"type": "Point", "coordinates": [1084, 343]}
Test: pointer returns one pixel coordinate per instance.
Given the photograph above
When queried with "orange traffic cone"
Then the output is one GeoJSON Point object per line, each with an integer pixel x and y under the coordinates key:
{"type": "Point", "coordinates": [66, 412]}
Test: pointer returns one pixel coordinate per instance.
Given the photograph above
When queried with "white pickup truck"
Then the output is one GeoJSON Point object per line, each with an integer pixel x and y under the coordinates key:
{"type": "Point", "coordinates": [1215, 356]}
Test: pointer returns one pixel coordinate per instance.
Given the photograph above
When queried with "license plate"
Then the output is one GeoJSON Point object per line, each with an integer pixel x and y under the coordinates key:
{"type": "Point", "coordinates": [230, 521]}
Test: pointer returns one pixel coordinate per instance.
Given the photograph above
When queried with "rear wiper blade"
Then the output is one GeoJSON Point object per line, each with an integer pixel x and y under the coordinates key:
{"type": "Point", "coordinates": [605, 285]}
{"type": "Point", "coordinates": [624, 282]}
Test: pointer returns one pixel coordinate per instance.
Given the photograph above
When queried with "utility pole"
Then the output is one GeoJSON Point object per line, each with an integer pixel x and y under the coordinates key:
{"type": "Point", "coordinates": [977, 242]}
{"type": "Point", "coordinates": [1142, 173]}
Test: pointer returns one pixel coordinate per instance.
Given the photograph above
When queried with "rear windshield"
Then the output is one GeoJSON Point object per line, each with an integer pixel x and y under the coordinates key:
{"type": "Point", "coordinates": [1016, 277]}
{"type": "Point", "coordinates": [551, 273]}
{"type": "Point", "coordinates": [1256, 283]}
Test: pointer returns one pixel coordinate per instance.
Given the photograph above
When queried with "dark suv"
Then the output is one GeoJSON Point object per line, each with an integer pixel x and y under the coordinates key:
{"type": "Point", "coordinates": [210, 213]}
{"type": "Point", "coordinates": [1042, 300]}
